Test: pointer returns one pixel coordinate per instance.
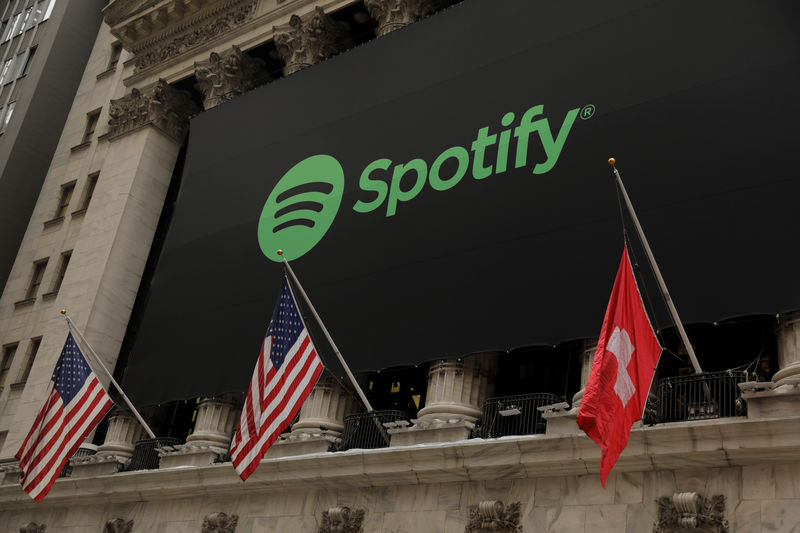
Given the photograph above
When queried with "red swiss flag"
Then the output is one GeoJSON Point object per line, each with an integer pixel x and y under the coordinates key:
{"type": "Point", "coordinates": [624, 364]}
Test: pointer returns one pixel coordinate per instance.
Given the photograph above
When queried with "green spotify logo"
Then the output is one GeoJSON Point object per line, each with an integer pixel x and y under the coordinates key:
{"type": "Point", "coordinates": [301, 207]}
{"type": "Point", "coordinates": [305, 201]}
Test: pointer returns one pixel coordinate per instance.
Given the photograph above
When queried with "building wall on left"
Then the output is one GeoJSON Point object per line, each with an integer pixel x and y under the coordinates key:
{"type": "Point", "coordinates": [39, 87]}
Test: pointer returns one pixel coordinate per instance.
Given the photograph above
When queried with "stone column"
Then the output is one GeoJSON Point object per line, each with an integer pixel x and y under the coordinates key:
{"type": "Point", "coordinates": [587, 358]}
{"type": "Point", "coordinates": [225, 76]}
{"type": "Point", "coordinates": [123, 432]}
{"type": "Point", "coordinates": [320, 422]}
{"type": "Point", "coordinates": [214, 423]}
{"type": "Point", "coordinates": [454, 401]}
{"type": "Point", "coordinates": [788, 349]}
{"type": "Point", "coordinates": [309, 39]}
{"type": "Point", "coordinates": [146, 130]}
{"type": "Point", "coordinates": [390, 15]}
{"type": "Point", "coordinates": [117, 448]}
{"type": "Point", "coordinates": [211, 437]}
{"type": "Point", "coordinates": [565, 422]}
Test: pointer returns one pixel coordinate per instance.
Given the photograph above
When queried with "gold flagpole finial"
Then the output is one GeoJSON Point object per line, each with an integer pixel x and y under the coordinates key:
{"type": "Point", "coordinates": [280, 252]}
{"type": "Point", "coordinates": [612, 161]}
{"type": "Point", "coordinates": [64, 311]}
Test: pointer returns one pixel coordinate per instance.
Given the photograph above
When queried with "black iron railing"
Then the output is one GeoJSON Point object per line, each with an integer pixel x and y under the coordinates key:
{"type": "Point", "coordinates": [366, 430]}
{"type": "Point", "coordinates": [700, 396]}
{"type": "Point", "coordinates": [145, 453]}
{"type": "Point", "coordinates": [80, 452]}
{"type": "Point", "coordinates": [514, 415]}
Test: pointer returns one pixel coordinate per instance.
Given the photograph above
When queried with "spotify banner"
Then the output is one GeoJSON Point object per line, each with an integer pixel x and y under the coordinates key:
{"type": "Point", "coordinates": [444, 190]}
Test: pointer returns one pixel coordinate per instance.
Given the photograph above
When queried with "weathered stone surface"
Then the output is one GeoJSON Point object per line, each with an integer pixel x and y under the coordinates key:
{"type": "Point", "coordinates": [309, 39]}
{"type": "Point", "coordinates": [226, 75]}
{"type": "Point", "coordinates": [390, 15]}
{"type": "Point", "coordinates": [162, 106]}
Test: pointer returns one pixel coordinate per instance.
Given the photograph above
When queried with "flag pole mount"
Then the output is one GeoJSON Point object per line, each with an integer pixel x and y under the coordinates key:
{"type": "Point", "coordinates": [99, 361]}
{"type": "Point", "coordinates": [651, 258]}
{"type": "Point", "coordinates": [325, 331]}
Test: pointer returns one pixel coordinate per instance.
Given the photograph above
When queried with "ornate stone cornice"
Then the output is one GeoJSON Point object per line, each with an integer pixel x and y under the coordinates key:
{"type": "Point", "coordinates": [192, 32]}
{"type": "Point", "coordinates": [225, 76]}
{"type": "Point", "coordinates": [342, 520]}
{"type": "Point", "coordinates": [492, 515]}
{"type": "Point", "coordinates": [118, 525]}
{"type": "Point", "coordinates": [309, 39]}
{"type": "Point", "coordinates": [220, 523]}
{"type": "Point", "coordinates": [163, 106]}
{"type": "Point", "coordinates": [118, 10]}
{"type": "Point", "coordinates": [390, 15]}
{"type": "Point", "coordinates": [685, 511]}
{"type": "Point", "coordinates": [32, 527]}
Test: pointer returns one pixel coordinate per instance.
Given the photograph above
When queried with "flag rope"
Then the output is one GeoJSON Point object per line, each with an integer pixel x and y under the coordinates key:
{"type": "Point", "coordinates": [667, 298]}
{"type": "Point", "coordinates": [72, 327]}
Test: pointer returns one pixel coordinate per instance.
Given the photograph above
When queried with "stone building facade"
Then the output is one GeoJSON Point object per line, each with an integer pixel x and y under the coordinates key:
{"type": "Point", "coordinates": [738, 474]}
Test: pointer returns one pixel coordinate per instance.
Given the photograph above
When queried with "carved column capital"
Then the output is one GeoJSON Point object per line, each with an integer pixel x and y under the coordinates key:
{"type": "Point", "coordinates": [690, 510]}
{"type": "Point", "coordinates": [309, 39]}
{"type": "Point", "coordinates": [342, 520]}
{"type": "Point", "coordinates": [32, 527]}
{"type": "Point", "coordinates": [390, 15]}
{"type": "Point", "coordinates": [225, 76]}
{"type": "Point", "coordinates": [118, 525]}
{"type": "Point", "coordinates": [219, 523]}
{"type": "Point", "coordinates": [162, 106]}
{"type": "Point", "coordinates": [492, 515]}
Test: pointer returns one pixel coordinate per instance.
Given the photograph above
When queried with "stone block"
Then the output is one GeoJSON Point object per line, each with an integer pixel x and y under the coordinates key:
{"type": "Point", "coordinates": [302, 444]}
{"type": "Point", "coordinates": [778, 403]}
{"type": "Point", "coordinates": [429, 432]}
{"type": "Point", "coordinates": [96, 465]}
{"type": "Point", "coordinates": [189, 455]}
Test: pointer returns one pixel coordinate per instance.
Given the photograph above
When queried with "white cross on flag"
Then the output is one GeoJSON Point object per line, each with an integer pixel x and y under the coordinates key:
{"type": "Point", "coordinates": [622, 371]}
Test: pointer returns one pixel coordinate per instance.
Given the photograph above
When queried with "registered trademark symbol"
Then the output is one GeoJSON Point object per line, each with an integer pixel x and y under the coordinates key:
{"type": "Point", "coordinates": [587, 111]}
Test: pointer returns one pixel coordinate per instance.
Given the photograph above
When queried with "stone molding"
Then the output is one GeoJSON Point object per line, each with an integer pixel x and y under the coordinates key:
{"type": "Point", "coordinates": [690, 511]}
{"type": "Point", "coordinates": [342, 520]}
{"type": "Point", "coordinates": [189, 33]}
{"type": "Point", "coordinates": [459, 388]}
{"type": "Point", "coordinates": [788, 350]}
{"type": "Point", "coordinates": [163, 106]}
{"type": "Point", "coordinates": [390, 15]}
{"type": "Point", "coordinates": [118, 525]}
{"type": "Point", "coordinates": [225, 76]}
{"type": "Point", "coordinates": [123, 432]}
{"type": "Point", "coordinates": [309, 39]}
{"type": "Point", "coordinates": [493, 515]}
{"type": "Point", "coordinates": [675, 446]}
{"type": "Point", "coordinates": [324, 409]}
{"type": "Point", "coordinates": [216, 418]}
{"type": "Point", "coordinates": [219, 523]}
{"type": "Point", "coordinates": [32, 527]}
{"type": "Point", "coordinates": [117, 10]}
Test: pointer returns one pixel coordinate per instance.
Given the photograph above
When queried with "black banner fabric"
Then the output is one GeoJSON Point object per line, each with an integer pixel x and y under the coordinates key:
{"type": "Point", "coordinates": [444, 190]}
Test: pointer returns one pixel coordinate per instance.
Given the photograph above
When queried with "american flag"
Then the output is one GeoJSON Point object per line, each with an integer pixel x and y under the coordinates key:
{"type": "Point", "coordinates": [287, 369]}
{"type": "Point", "coordinates": [76, 402]}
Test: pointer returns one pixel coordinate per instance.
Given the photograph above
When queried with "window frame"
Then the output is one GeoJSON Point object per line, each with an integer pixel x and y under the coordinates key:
{"type": "Point", "coordinates": [26, 68]}
{"type": "Point", "coordinates": [88, 190]}
{"type": "Point", "coordinates": [63, 264]}
{"type": "Point", "coordinates": [66, 192]}
{"type": "Point", "coordinates": [5, 115]}
{"type": "Point", "coordinates": [33, 350]}
{"type": "Point", "coordinates": [92, 121]}
{"type": "Point", "coordinates": [37, 276]}
{"type": "Point", "coordinates": [9, 351]}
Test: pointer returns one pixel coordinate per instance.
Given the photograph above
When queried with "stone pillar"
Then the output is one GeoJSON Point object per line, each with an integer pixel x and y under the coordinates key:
{"type": "Point", "coordinates": [213, 426]}
{"type": "Point", "coordinates": [117, 448]}
{"type": "Point", "coordinates": [587, 358]}
{"type": "Point", "coordinates": [782, 397]}
{"type": "Point", "coordinates": [562, 421]}
{"type": "Point", "coordinates": [459, 388]}
{"type": "Point", "coordinates": [211, 437]}
{"type": "Point", "coordinates": [309, 39]}
{"type": "Point", "coordinates": [146, 130]}
{"type": "Point", "coordinates": [454, 401]}
{"type": "Point", "coordinates": [788, 349]}
{"type": "Point", "coordinates": [320, 422]}
{"type": "Point", "coordinates": [225, 76]}
{"type": "Point", "coordinates": [123, 432]}
{"type": "Point", "coordinates": [390, 15]}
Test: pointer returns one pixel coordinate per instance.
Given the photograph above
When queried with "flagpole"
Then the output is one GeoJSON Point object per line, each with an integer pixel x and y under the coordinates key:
{"type": "Point", "coordinates": [325, 331]}
{"type": "Point", "coordinates": [654, 265]}
{"type": "Point", "coordinates": [74, 328]}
